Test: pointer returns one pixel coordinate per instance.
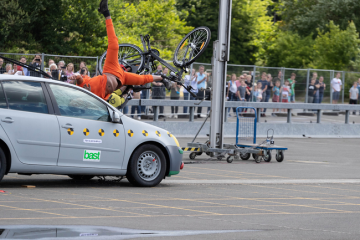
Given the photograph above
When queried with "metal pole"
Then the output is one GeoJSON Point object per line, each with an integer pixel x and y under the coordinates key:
{"type": "Point", "coordinates": [289, 116]}
{"type": "Point", "coordinates": [331, 78]}
{"type": "Point", "coordinates": [253, 82]}
{"type": "Point", "coordinates": [347, 112]}
{"type": "Point", "coordinates": [221, 51]}
{"type": "Point", "coordinates": [307, 86]}
{"type": "Point", "coordinates": [97, 65]}
{"type": "Point", "coordinates": [318, 116]}
{"type": "Point", "coordinates": [42, 62]}
{"type": "Point", "coordinates": [343, 86]}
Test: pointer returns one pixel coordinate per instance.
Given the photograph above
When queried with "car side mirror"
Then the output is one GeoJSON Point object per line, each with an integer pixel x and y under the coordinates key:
{"type": "Point", "coordinates": [115, 117]}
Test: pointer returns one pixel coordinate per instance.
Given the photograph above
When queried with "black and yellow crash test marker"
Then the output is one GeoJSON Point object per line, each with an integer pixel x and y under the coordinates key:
{"type": "Point", "coordinates": [158, 133]}
{"type": "Point", "coordinates": [145, 133]}
{"type": "Point", "coordinates": [70, 131]}
{"type": "Point", "coordinates": [130, 133]}
{"type": "Point", "coordinates": [101, 132]}
{"type": "Point", "coordinates": [86, 132]}
{"type": "Point", "coordinates": [169, 134]}
{"type": "Point", "coordinates": [116, 133]}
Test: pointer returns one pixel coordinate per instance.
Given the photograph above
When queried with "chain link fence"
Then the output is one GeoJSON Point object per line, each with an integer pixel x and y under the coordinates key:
{"type": "Point", "coordinates": [299, 82]}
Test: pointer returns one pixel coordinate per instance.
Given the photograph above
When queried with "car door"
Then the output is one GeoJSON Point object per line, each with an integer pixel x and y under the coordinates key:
{"type": "Point", "coordinates": [30, 123]}
{"type": "Point", "coordinates": [88, 137]}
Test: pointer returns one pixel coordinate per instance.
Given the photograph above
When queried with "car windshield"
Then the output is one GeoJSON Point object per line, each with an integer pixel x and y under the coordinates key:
{"type": "Point", "coordinates": [75, 103]}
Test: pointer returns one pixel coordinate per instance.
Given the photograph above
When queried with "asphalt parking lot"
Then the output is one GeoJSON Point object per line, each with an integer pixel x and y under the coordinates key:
{"type": "Point", "coordinates": [313, 194]}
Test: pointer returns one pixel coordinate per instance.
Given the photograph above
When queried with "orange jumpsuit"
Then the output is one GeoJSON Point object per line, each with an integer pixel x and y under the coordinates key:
{"type": "Point", "coordinates": [112, 66]}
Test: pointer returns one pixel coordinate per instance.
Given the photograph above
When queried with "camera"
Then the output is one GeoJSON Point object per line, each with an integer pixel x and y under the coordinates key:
{"type": "Point", "coordinates": [82, 71]}
{"type": "Point", "coordinates": [37, 59]}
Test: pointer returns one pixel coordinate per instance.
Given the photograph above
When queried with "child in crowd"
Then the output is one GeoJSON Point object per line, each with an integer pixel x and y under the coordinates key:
{"type": "Point", "coordinates": [254, 93]}
{"type": "Point", "coordinates": [354, 94]}
{"type": "Point", "coordinates": [242, 90]}
{"type": "Point", "coordinates": [259, 92]}
{"type": "Point", "coordinates": [285, 93]}
{"type": "Point", "coordinates": [276, 96]}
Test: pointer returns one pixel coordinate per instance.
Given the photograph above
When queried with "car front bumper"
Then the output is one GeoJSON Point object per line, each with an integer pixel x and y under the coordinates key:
{"type": "Point", "coordinates": [176, 155]}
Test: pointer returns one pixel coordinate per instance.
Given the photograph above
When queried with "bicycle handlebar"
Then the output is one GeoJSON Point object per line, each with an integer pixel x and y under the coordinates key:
{"type": "Point", "coordinates": [174, 78]}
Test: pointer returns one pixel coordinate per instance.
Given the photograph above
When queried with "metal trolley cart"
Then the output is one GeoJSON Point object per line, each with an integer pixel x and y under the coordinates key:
{"type": "Point", "coordinates": [245, 145]}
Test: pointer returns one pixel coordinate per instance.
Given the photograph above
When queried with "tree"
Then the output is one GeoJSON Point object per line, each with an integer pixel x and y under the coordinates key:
{"type": "Point", "coordinates": [336, 48]}
{"type": "Point", "coordinates": [306, 16]}
{"type": "Point", "coordinates": [288, 49]}
{"type": "Point", "coordinates": [58, 27]}
{"type": "Point", "coordinates": [159, 18]}
{"type": "Point", "coordinates": [250, 26]}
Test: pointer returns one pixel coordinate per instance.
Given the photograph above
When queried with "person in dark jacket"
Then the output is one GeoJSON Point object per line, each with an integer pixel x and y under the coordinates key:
{"type": "Point", "coordinates": [36, 63]}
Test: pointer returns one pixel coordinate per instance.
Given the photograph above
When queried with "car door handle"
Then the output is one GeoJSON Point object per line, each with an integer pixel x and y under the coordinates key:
{"type": "Point", "coordinates": [67, 126]}
{"type": "Point", "coordinates": [8, 120]}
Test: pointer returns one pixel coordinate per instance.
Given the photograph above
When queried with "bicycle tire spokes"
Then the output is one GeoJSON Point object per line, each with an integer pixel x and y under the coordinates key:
{"type": "Point", "coordinates": [129, 55]}
{"type": "Point", "coordinates": [192, 46]}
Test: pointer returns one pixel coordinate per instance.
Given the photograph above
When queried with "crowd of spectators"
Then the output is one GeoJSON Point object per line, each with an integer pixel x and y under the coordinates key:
{"type": "Point", "coordinates": [247, 87]}
{"type": "Point", "coordinates": [59, 71]}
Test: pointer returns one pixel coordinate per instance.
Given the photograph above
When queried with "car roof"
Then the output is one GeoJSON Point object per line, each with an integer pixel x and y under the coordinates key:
{"type": "Point", "coordinates": [7, 77]}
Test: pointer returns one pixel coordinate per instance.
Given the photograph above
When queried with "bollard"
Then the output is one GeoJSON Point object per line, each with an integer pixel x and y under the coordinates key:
{"type": "Point", "coordinates": [156, 113]}
{"type": "Point", "coordinates": [191, 110]}
{"type": "Point", "coordinates": [318, 116]}
{"type": "Point", "coordinates": [347, 112]}
{"type": "Point", "coordinates": [289, 116]}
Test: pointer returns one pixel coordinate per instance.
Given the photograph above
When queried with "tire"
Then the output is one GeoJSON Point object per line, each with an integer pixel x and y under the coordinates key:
{"type": "Point", "coordinates": [211, 154]}
{"type": "Point", "coordinates": [219, 158]}
{"type": "Point", "coordinates": [230, 159]}
{"type": "Point", "coordinates": [192, 155]}
{"type": "Point", "coordinates": [81, 177]}
{"type": "Point", "coordinates": [254, 155]}
{"type": "Point", "coordinates": [258, 158]}
{"type": "Point", "coordinates": [2, 164]}
{"type": "Point", "coordinates": [280, 156]}
{"type": "Point", "coordinates": [129, 55]}
{"type": "Point", "coordinates": [267, 157]}
{"type": "Point", "coordinates": [198, 153]}
{"type": "Point", "coordinates": [147, 166]}
{"type": "Point", "coordinates": [245, 156]}
{"type": "Point", "coordinates": [199, 38]}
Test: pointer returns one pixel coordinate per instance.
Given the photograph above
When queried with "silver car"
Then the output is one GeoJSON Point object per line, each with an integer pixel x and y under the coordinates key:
{"type": "Point", "coordinates": [50, 127]}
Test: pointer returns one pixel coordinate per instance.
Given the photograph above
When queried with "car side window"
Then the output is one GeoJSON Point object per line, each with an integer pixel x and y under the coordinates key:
{"type": "Point", "coordinates": [25, 96]}
{"type": "Point", "coordinates": [3, 103]}
{"type": "Point", "coordinates": [75, 103]}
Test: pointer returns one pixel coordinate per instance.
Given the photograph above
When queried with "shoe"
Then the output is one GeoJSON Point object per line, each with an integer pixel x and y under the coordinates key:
{"type": "Point", "coordinates": [139, 118]}
{"type": "Point", "coordinates": [199, 116]}
{"type": "Point", "coordinates": [175, 116]}
{"type": "Point", "coordinates": [170, 116]}
{"type": "Point", "coordinates": [167, 84]}
{"type": "Point", "coordinates": [103, 8]}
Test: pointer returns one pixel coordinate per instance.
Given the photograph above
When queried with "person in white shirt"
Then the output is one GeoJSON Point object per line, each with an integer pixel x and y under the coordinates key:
{"type": "Point", "coordinates": [190, 80]}
{"type": "Point", "coordinates": [336, 88]}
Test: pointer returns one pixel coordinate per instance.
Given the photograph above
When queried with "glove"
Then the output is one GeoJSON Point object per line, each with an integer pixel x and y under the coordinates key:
{"type": "Point", "coordinates": [115, 100]}
{"type": "Point", "coordinates": [118, 92]}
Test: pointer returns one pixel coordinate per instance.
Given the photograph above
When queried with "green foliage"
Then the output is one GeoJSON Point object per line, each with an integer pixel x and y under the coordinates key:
{"type": "Point", "coordinates": [159, 18]}
{"type": "Point", "coordinates": [336, 48]}
{"type": "Point", "coordinates": [306, 16]}
{"type": "Point", "coordinates": [288, 49]}
{"type": "Point", "coordinates": [249, 26]}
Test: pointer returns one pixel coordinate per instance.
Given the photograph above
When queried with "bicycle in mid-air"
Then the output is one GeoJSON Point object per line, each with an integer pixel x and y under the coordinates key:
{"type": "Point", "coordinates": [143, 62]}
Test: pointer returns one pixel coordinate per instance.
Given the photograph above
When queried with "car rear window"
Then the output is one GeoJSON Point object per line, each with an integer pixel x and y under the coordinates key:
{"type": "Point", "coordinates": [25, 96]}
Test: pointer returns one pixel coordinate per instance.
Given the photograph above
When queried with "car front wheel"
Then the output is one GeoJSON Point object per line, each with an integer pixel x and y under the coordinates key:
{"type": "Point", "coordinates": [147, 166]}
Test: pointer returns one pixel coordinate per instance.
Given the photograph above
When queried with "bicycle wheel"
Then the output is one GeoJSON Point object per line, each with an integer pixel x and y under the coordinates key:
{"type": "Point", "coordinates": [192, 46]}
{"type": "Point", "coordinates": [129, 56]}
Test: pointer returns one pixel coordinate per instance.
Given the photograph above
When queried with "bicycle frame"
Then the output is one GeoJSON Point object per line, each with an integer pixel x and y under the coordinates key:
{"type": "Point", "coordinates": [147, 52]}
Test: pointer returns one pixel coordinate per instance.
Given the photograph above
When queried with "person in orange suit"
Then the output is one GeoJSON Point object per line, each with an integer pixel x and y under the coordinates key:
{"type": "Point", "coordinates": [111, 84]}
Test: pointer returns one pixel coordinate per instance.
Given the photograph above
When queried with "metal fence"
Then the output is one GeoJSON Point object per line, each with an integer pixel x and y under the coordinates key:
{"type": "Point", "coordinates": [280, 74]}
{"type": "Point", "coordinates": [90, 62]}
